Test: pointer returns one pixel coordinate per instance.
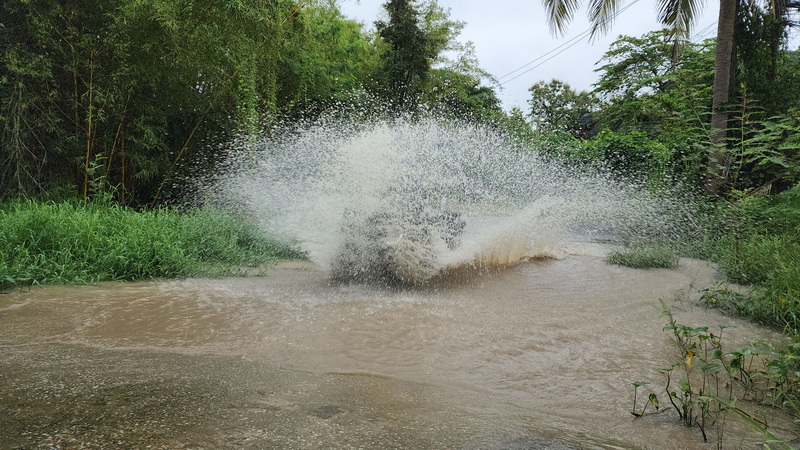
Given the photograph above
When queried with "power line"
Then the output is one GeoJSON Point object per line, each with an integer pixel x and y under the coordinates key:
{"type": "Point", "coordinates": [578, 37]}
{"type": "Point", "coordinates": [563, 48]}
{"type": "Point", "coordinates": [705, 31]}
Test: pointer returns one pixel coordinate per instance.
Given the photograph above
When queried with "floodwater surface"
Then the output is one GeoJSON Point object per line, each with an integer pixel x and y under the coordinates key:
{"type": "Point", "coordinates": [538, 355]}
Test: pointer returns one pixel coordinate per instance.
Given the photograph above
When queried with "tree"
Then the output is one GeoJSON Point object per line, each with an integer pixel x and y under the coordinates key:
{"type": "Point", "coordinates": [454, 86]}
{"type": "Point", "coordinates": [766, 73]}
{"type": "Point", "coordinates": [326, 60]}
{"type": "Point", "coordinates": [111, 94]}
{"type": "Point", "coordinates": [408, 58]}
{"type": "Point", "coordinates": [642, 66]}
{"type": "Point", "coordinates": [723, 79]}
{"type": "Point", "coordinates": [516, 126]}
{"type": "Point", "coordinates": [644, 90]}
{"type": "Point", "coordinates": [448, 52]}
{"type": "Point", "coordinates": [555, 106]}
{"type": "Point", "coordinates": [678, 17]}
{"type": "Point", "coordinates": [462, 96]}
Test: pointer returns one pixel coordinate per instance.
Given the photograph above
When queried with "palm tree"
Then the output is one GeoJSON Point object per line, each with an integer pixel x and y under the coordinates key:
{"type": "Point", "coordinates": [717, 171]}
{"type": "Point", "coordinates": [678, 16]}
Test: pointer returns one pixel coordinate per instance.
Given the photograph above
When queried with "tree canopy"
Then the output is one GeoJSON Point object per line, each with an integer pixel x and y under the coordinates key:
{"type": "Point", "coordinates": [116, 97]}
{"type": "Point", "coordinates": [555, 106]}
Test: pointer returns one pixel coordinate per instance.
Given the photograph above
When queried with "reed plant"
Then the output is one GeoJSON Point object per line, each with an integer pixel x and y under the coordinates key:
{"type": "Point", "coordinates": [69, 242]}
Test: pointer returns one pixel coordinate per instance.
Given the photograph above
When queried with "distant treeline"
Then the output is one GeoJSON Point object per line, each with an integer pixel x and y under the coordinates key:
{"type": "Point", "coordinates": [113, 95]}
{"type": "Point", "coordinates": [117, 98]}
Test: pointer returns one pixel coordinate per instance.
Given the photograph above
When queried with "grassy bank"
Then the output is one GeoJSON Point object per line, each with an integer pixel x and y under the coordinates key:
{"type": "Point", "coordinates": [645, 256]}
{"type": "Point", "coordinates": [74, 243]}
{"type": "Point", "coordinates": [762, 249]}
{"type": "Point", "coordinates": [756, 243]}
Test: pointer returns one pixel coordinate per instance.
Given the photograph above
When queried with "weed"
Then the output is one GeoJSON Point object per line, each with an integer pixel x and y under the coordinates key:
{"type": "Point", "coordinates": [652, 399]}
{"type": "Point", "coordinates": [75, 243]}
{"type": "Point", "coordinates": [707, 382]}
{"type": "Point", "coordinates": [646, 256]}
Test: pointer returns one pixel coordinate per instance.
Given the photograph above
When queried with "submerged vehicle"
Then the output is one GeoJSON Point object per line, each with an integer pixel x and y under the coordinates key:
{"type": "Point", "coordinates": [402, 246]}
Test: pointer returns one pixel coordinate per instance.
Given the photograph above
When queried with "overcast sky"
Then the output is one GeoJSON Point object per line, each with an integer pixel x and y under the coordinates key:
{"type": "Point", "coordinates": [508, 34]}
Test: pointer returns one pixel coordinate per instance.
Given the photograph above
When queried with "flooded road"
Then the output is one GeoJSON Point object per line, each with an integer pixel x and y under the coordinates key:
{"type": "Point", "coordinates": [539, 355]}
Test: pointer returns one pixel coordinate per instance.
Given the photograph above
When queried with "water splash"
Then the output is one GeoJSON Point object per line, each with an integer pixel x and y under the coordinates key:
{"type": "Point", "coordinates": [402, 200]}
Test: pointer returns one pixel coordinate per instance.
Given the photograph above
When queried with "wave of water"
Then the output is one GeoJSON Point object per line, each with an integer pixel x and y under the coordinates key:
{"type": "Point", "coordinates": [368, 200]}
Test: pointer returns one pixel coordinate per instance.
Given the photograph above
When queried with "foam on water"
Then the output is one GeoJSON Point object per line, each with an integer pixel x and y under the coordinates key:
{"type": "Point", "coordinates": [402, 200]}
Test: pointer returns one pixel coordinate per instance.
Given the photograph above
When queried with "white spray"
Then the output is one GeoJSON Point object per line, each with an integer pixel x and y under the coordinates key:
{"type": "Point", "coordinates": [403, 200]}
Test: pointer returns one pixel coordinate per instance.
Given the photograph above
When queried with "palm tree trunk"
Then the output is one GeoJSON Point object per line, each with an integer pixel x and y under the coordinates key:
{"type": "Point", "coordinates": [723, 76]}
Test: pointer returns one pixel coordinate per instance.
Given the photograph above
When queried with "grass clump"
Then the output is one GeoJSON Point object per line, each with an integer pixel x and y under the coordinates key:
{"type": "Point", "coordinates": [763, 251]}
{"type": "Point", "coordinates": [761, 248]}
{"type": "Point", "coordinates": [74, 243]}
{"type": "Point", "coordinates": [771, 266]}
{"type": "Point", "coordinates": [645, 256]}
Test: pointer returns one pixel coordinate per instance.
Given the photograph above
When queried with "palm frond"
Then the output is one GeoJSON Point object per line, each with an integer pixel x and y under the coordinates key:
{"type": "Point", "coordinates": [678, 16]}
{"type": "Point", "coordinates": [560, 13]}
{"type": "Point", "coordinates": [780, 8]}
{"type": "Point", "coordinates": [601, 14]}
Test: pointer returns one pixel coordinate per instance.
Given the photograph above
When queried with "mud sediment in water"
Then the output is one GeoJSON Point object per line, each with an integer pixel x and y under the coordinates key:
{"type": "Point", "coordinates": [72, 396]}
{"type": "Point", "coordinates": [539, 355]}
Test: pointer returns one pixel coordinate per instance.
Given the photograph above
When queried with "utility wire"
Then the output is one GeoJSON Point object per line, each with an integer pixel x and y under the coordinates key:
{"type": "Point", "coordinates": [578, 37]}
{"type": "Point", "coordinates": [705, 31]}
{"type": "Point", "coordinates": [563, 47]}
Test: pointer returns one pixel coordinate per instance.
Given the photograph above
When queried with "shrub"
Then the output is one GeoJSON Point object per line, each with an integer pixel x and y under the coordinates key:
{"type": "Point", "coordinates": [631, 155]}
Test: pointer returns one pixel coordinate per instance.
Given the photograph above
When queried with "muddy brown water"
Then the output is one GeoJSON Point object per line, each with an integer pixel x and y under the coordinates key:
{"type": "Point", "coordinates": [538, 355]}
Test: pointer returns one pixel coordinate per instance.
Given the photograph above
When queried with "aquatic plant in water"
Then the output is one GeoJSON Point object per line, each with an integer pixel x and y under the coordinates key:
{"type": "Point", "coordinates": [707, 382]}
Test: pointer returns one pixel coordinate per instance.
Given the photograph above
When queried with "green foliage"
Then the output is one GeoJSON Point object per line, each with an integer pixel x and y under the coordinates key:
{"type": "Point", "coordinates": [119, 98]}
{"type": "Point", "coordinates": [325, 62]}
{"type": "Point", "coordinates": [440, 32]}
{"type": "Point", "coordinates": [457, 95]}
{"type": "Point", "coordinates": [555, 106]}
{"type": "Point", "coordinates": [425, 67]}
{"type": "Point", "coordinates": [408, 58]}
{"type": "Point", "coordinates": [765, 153]}
{"type": "Point", "coordinates": [142, 84]}
{"type": "Point", "coordinates": [772, 265]}
{"type": "Point", "coordinates": [561, 147]}
{"type": "Point", "coordinates": [643, 66]}
{"type": "Point", "coordinates": [768, 75]}
{"type": "Point", "coordinates": [454, 86]}
{"type": "Point", "coordinates": [69, 243]}
{"type": "Point", "coordinates": [709, 382]}
{"type": "Point", "coordinates": [646, 256]}
{"type": "Point", "coordinates": [646, 90]}
{"type": "Point", "coordinates": [450, 54]}
{"type": "Point", "coordinates": [514, 125]}
{"type": "Point", "coordinates": [630, 155]}
{"type": "Point", "coordinates": [756, 241]}
{"type": "Point", "coordinates": [762, 249]}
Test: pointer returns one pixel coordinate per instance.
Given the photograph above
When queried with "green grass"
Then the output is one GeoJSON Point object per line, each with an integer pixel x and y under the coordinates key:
{"type": "Point", "coordinates": [770, 265]}
{"type": "Point", "coordinates": [756, 242]}
{"type": "Point", "coordinates": [760, 247]}
{"type": "Point", "coordinates": [645, 256]}
{"type": "Point", "coordinates": [72, 243]}
{"type": "Point", "coordinates": [763, 251]}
